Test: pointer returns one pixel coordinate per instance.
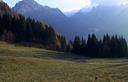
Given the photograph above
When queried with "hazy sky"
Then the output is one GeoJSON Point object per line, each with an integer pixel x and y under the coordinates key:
{"type": "Point", "coordinates": [68, 5]}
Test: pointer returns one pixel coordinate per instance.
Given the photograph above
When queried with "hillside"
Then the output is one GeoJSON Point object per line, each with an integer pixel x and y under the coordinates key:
{"type": "Point", "coordinates": [29, 64]}
{"type": "Point", "coordinates": [4, 8]}
{"type": "Point", "coordinates": [19, 29]}
{"type": "Point", "coordinates": [51, 16]}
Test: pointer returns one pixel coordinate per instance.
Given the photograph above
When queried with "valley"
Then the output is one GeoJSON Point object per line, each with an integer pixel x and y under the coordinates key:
{"type": "Point", "coordinates": [39, 43]}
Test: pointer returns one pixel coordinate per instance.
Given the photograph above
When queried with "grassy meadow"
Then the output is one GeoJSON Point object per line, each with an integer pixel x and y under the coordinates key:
{"type": "Point", "coordinates": [27, 64]}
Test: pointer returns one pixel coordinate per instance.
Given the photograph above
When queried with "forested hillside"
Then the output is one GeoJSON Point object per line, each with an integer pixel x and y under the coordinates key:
{"type": "Point", "coordinates": [16, 28]}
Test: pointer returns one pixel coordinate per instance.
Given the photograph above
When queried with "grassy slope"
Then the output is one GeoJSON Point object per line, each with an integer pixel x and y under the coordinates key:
{"type": "Point", "coordinates": [24, 64]}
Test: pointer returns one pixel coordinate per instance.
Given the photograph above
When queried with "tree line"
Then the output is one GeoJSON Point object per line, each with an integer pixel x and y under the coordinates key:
{"type": "Point", "coordinates": [108, 47]}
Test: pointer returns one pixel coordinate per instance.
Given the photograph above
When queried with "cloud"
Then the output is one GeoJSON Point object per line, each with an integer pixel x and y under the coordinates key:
{"type": "Point", "coordinates": [75, 4]}
{"type": "Point", "coordinates": [109, 2]}
{"type": "Point", "coordinates": [69, 5]}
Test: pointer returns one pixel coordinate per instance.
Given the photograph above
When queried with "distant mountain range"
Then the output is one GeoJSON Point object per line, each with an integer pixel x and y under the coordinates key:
{"type": "Point", "coordinates": [99, 20]}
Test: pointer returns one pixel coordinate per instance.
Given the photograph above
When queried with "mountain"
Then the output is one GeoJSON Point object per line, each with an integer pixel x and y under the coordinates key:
{"type": "Point", "coordinates": [16, 28]}
{"type": "Point", "coordinates": [86, 9]}
{"type": "Point", "coordinates": [98, 19]}
{"type": "Point", "coordinates": [104, 19]}
{"type": "Point", "coordinates": [71, 13]}
{"type": "Point", "coordinates": [51, 16]}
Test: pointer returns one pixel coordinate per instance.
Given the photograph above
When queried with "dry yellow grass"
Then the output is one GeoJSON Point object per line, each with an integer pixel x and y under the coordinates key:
{"type": "Point", "coordinates": [24, 64]}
